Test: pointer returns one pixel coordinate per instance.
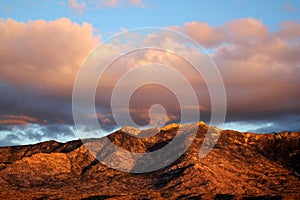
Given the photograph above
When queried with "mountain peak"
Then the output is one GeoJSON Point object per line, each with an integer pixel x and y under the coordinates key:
{"type": "Point", "coordinates": [131, 130]}
{"type": "Point", "coordinates": [135, 131]}
{"type": "Point", "coordinates": [241, 166]}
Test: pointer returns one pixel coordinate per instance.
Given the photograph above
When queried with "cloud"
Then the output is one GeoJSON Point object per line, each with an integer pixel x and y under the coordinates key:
{"type": "Point", "coordinates": [236, 31]}
{"type": "Point", "coordinates": [33, 133]}
{"type": "Point", "coordinates": [138, 3]}
{"type": "Point", "coordinates": [121, 3]}
{"type": "Point", "coordinates": [19, 119]}
{"type": "Point", "coordinates": [246, 30]}
{"type": "Point", "coordinates": [44, 52]}
{"type": "Point", "coordinates": [206, 35]}
{"type": "Point", "coordinates": [282, 123]}
{"type": "Point", "coordinates": [260, 68]}
{"type": "Point", "coordinates": [78, 7]}
{"type": "Point", "coordinates": [39, 61]}
{"type": "Point", "coordinates": [289, 31]}
{"type": "Point", "coordinates": [33, 103]}
{"type": "Point", "coordinates": [289, 8]}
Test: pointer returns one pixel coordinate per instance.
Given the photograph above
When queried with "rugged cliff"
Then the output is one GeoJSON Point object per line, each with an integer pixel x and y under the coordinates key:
{"type": "Point", "coordinates": [240, 166]}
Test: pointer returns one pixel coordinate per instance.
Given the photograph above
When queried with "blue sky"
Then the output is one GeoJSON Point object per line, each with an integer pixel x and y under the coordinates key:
{"type": "Point", "coordinates": [109, 19]}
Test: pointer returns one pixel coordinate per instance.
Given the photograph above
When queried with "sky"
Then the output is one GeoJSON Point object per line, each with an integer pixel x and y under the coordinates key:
{"type": "Point", "coordinates": [255, 45]}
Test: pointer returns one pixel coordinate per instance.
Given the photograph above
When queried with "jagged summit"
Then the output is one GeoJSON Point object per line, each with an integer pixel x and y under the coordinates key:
{"type": "Point", "coordinates": [131, 130]}
{"type": "Point", "coordinates": [135, 131]}
{"type": "Point", "coordinates": [241, 165]}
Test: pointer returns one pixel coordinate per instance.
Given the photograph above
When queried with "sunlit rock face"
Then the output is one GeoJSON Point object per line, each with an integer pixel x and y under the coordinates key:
{"type": "Point", "coordinates": [241, 165]}
{"type": "Point", "coordinates": [131, 130]}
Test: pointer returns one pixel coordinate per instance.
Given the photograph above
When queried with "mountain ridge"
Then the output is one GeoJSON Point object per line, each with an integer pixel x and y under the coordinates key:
{"type": "Point", "coordinates": [241, 165]}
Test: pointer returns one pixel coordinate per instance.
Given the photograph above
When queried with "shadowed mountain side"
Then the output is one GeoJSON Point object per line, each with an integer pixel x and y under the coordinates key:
{"type": "Point", "coordinates": [240, 166]}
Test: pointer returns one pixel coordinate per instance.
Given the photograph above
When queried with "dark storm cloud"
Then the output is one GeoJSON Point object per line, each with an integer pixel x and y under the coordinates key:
{"type": "Point", "coordinates": [33, 103]}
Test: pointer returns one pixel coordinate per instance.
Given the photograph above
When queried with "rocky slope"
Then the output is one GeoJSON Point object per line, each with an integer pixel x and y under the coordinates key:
{"type": "Point", "coordinates": [240, 166]}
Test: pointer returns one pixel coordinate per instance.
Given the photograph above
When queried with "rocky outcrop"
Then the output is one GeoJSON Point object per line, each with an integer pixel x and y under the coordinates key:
{"type": "Point", "coordinates": [240, 166]}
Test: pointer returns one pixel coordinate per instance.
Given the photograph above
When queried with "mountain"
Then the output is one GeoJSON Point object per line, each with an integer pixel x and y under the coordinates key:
{"type": "Point", "coordinates": [240, 166]}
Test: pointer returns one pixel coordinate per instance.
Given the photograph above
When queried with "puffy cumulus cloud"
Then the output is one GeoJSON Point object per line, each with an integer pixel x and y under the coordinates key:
{"type": "Point", "coordinates": [236, 31]}
{"type": "Point", "coordinates": [149, 94]}
{"type": "Point", "coordinates": [260, 70]}
{"type": "Point", "coordinates": [38, 63]}
{"type": "Point", "coordinates": [206, 35]}
{"type": "Point", "coordinates": [289, 31]}
{"type": "Point", "coordinates": [45, 52]}
{"type": "Point", "coordinates": [246, 30]}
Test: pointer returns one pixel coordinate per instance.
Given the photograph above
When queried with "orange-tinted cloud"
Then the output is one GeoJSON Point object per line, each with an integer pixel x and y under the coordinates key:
{"type": "Point", "coordinates": [19, 119]}
{"type": "Point", "coordinates": [240, 30]}
{"type": "Point", "coordinates": [289, 31]}
{"type": "Point", "coordinates": [79, 7]}
{"type": "Point", "coordinates": [44, 55]}
{"type": "Point", "coordinates": [206, 35]}
{"type": "Point", "coordinates": [260, 68]}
